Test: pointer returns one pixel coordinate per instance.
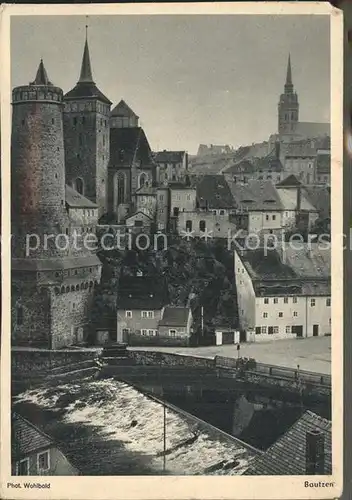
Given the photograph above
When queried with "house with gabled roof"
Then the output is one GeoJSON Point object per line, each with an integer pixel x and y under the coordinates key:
{"type": "Point", "coordinates": [284, 291]}
{"type": "Point", "coordinates": [140, 303]}
{"type": "Point", "coordinates": [34, 453]}
{"type": "Point", "coordinates": [175, 325]}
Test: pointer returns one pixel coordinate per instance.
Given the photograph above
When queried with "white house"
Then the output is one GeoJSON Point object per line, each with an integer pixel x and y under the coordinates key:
{"type": "Point", "coordinates": [285, 293]}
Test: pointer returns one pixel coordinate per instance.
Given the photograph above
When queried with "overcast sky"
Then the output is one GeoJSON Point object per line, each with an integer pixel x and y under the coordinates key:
{"type": "Point", "coordinates": [191, 79]}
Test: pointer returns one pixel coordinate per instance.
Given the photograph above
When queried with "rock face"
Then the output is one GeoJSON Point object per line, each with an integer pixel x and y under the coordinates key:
{"type": "Point", "coordinates": [197, 274]}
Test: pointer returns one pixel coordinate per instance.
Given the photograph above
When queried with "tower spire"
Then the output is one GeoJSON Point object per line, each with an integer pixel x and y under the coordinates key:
{"type": "Point", "coordinates": [41, 76]}
{"type": "Point", "coordinates": [86, 70]}
{"type": "Point", "coordinates": [289, 84]}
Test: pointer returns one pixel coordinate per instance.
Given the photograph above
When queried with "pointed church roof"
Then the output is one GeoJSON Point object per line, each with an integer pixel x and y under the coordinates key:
{"type": "Point", "coordinates": [289, 71]}
{"type": "Point", "coordinates": [86, 70]}
{"type": "Point", "coordinates": [123, 110]}
{"type": "Point", "coordinates": [85, 87]}
{"type": "Point", "coordinates": [289, 84]}
{"type": "Point", "coordinates": [41, 77]}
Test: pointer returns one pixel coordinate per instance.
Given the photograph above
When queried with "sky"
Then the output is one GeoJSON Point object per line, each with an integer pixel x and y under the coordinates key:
{"type": "Point", "coordinates": [191, 79]}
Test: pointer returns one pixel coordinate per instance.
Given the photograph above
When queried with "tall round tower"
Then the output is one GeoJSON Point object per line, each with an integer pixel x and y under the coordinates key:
{"type": "Point", "coordinates": [37, 158]}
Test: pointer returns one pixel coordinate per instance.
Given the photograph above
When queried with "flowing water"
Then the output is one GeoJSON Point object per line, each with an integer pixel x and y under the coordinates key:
{"type": "Point", "coordinates": [106, 427]}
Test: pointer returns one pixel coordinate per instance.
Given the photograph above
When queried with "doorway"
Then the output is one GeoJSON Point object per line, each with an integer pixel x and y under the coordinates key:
{"type": "Point", "coordinates": [315, 330]}
{"type": "Point", "coordinates": [298, 330]}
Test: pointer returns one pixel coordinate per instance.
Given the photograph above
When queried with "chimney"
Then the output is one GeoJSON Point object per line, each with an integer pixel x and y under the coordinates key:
{"type": "Point", "coordinates": [277, 150]}
{"type": "Point", "coordinates": [315, 456]}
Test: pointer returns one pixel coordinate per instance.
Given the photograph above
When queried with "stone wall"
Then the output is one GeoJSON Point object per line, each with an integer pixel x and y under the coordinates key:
{"type": "Point", "coordinates": [156, 340]}
{"type": "Point", "coordinates": [30, 362]}
{"type": "Point", "coordinates": [168, 359]}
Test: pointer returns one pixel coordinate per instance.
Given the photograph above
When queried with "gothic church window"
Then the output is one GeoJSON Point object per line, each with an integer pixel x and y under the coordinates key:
{"type": "Point", "coordinates": [142, 180]}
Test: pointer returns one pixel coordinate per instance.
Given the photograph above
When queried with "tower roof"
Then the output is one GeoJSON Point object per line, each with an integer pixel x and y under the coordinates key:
{"type": "Point", "coordinates": [41, 77]}
{"type": "Point", "coordinates": [86, 70]}
{"type": "Point", "coordinates": [123, 110]}
{"type": "Point", "coordinates": [289, 84]}
{"type": "Point", "coordinates": [289, 71]}
{"type": "Point", "coordinates": [85, 87]}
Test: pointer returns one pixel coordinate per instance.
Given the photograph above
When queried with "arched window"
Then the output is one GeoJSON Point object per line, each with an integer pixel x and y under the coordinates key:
{"type": "Point", "coordinates": [202, 225]}
{"type": "Point", "coordinates": [188, 225]}
{"type": "Point", "coordinates": [79, 185]}
{"type": "Point", "coordinates": [142, 180]}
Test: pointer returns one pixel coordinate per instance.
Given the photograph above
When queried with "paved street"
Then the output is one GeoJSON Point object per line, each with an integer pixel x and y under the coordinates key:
{"type": "Point", "coordinates": [312, 354]}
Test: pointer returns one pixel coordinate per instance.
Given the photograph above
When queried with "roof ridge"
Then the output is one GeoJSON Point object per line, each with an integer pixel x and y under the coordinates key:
{"type": "Point", "coordinates": [20, 417]}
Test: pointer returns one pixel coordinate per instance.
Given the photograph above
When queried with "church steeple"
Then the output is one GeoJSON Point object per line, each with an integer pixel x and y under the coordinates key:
{"type": "Point", "coordinates": [288, 108]}
{"type": "Point", "coordinates": [289, 84]}
{"type": "Point", "coordinates": [86, 70]}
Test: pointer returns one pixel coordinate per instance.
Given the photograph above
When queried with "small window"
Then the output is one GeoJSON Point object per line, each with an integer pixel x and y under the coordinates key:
{"type": "Point", "coordinates": [295, 313]}
{"type": "Point", "coordinates": [266, 301]}
{"type": "Point", "coordinates": [128, 314]}
{"type": "Point", "coordinates": [275, 329]}
{"type": "Point", "coordinates": [285, 300]}
{"type": "Point", "coordinates": [264, 329]}
{"type": "Point", "coordinates": [144, 332]}
{"type": "Point", "coordinates": [265, 315]}
{"type": "Point", "coordinates": [172, 333]}
{"type": "Point", "coordinates": [312, 303]}
{"type": "Point", "coordinates": [288, 329]}
{"type": "Point", "coordinates": [276, 300]}
{"type": "Point", "coordinates": [258, 330]}
{"type": "Point", "coordinates": [267, 217]}
{"type": "Point", "coordinates": [222, 212]}
{"type": "Point", "coordinates": [274, 217]}
{"type": "Point", "coordinates": [280, 314]}
{"type": "Point", "coordinates": [150, 314]}
{"type": "Point", "coordinates": [43, 460]}
{"type": "Point", "coordinates": [202, 225]}
{"type": "Point", "coordinates": [328, 302]}
{"type": "Point", "coordinates": [151, 332]}
{"type": "Point", "coordinates": [144, 314]}
{"type": "Point", "coordinates": [294, 300]}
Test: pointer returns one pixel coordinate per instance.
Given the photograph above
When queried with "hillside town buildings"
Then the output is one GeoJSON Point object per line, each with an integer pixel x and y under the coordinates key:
{"type": "Point", "coordinates": [99, 171]}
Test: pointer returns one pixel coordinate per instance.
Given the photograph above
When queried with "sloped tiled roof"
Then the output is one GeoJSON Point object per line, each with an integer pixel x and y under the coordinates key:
{"type": "Point", "coordinates": [288, 455]}
{"type": "Point", "coordinates": [175, 316]}
{"type": "Point", "coordinates": [319, 197]}
{"type": "Point", "coordinates": [309, 262]}
{"type": "Point", "coordinates": [288, 198]}
{"type": "Point", "coordinates": [169, 156]}
{"type": "Point", "coordinates": [290, 181]}
{"type": "Point", "coordinates": [127, 145]}
{"type": "Point", "coordinates": [213, 191]}
{"type": "Point", "coordinates": [242, 167]}
{"type": "Point", "coordinates": [123, 110]}
{"type": "Point", "coordinates": [26, 438]}
{"type": "Point", "coordinates": [256, 195]}
{"type": "Point", "coordinates": [77, 200]}
{"type": "Point", "coordinates": [142, 292]}
{"type": "Point", "coordinates": [313, 129]}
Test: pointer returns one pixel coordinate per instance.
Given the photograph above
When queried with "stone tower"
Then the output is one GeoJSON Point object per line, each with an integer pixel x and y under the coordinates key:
{"type": "Point", "coordinates": [52, 281]}
{"type": "Point", "coordinates": [37, 160]}
{"type": "Point", "coordinates": [288, 108]}
{"type": "Point", "coordinates": [87, 136]}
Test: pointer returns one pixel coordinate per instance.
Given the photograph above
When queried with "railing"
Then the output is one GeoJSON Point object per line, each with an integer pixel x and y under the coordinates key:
{"type": "Point", "coordinates": [294, 374]}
